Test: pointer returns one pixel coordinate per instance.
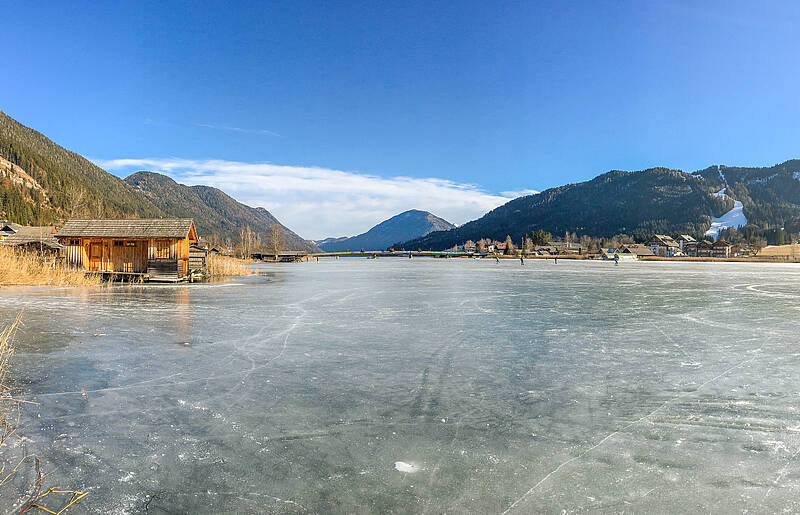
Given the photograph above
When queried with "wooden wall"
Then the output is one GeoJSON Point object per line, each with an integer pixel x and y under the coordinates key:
{"type": "Point", "coordinates": [74, 255]}
{"type": "Point", "coordinates": [129, 255]}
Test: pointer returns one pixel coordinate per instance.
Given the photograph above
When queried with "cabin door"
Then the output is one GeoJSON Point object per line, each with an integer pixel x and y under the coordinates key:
{"type": "Point", "coordinates": [95, 256]}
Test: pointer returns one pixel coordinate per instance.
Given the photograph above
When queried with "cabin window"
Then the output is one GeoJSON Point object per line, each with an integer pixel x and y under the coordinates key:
{"type": "Point", "coordinates": [162, 249]}
{"type": "Point", "coordinates": [74, 242]}
{"type": "Point", "coordinates": [118, 243]}
{"type": "Point", "coordinates": [130, 243]}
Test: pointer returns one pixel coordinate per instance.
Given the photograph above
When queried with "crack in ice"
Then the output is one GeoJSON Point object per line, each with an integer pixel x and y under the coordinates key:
{"type": "Point", "coordinates": [611, 435]}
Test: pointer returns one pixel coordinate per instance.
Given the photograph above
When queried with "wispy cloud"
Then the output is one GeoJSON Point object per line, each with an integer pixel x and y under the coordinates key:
{"type": "Point", "coordinates": [261, 132]}
{"type": "Point", "coordinates": [320, 202]}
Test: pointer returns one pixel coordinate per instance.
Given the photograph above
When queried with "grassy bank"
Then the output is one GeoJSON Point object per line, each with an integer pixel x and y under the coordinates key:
{"type": "Point", "coordinates": [32, 269]}
{"type": "Point", "coordinates": [224, 266]}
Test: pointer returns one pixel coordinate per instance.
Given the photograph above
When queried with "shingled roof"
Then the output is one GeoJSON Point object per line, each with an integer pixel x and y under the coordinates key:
{"type": "Point", "coordinates": [37, 235]}
{"type": "Point", "coordinates": [145, 228]}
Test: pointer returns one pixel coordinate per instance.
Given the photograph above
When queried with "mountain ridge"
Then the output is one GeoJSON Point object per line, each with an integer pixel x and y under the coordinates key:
{"type": "Point", "coordinates": [412, 223]}
{"type": "Point", "coordinates": [217, 215]}
{"type": "Point", "coordinates": [656, 200]}
{"type": "Point", "coordinates": [42, 183]}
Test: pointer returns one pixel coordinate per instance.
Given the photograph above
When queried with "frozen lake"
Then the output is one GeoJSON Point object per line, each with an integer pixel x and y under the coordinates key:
{"type": "Point", "coordinates": [410, 386]}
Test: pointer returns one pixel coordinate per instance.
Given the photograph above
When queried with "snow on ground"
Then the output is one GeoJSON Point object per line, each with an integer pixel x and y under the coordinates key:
{"type": "Point", "coordinates": [734, 218]}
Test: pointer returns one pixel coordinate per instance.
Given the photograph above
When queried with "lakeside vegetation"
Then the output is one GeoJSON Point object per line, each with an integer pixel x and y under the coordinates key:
{"type": "Point", "coordinates": [224, 266]}
{"type": "Point", "coordinates": [33, 269]}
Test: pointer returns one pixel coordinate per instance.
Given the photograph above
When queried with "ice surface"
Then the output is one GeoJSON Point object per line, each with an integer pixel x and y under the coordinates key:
{"type": "Point", "coordinates": [646, 387]}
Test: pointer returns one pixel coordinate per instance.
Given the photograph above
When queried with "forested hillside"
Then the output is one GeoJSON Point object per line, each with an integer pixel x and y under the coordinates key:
{"type": "Point", "coordinates": [657, 200]}
{"type": "Point", "coordinates": [43, 183]}
{"type": "Point", "coordinates": [770, 195]}
{"type": "Point", "coordinates": [217, 216]}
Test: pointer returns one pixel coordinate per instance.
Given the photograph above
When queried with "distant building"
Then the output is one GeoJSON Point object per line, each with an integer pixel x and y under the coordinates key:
{"type": "Point", "coordinates": [664, 246]}
{"type": "Point", "coordinates": [704, 249]}
{"type": "Point", "coordinates": [636, 250]}
{"type": "Point", "coordinates": [7, 229]}
{"type": "Point", "coordinates": [685, 240]}
{"type": "Point", "coordinates": [612, 254]}
{"type": "Point", "coordinates": [39, 239]}
{"type": "Point", "coordinates": [721, 249]}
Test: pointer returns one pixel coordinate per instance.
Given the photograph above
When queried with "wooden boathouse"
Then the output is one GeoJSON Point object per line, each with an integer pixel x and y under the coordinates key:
{"type": "Point", "coordinates": [156, 249]}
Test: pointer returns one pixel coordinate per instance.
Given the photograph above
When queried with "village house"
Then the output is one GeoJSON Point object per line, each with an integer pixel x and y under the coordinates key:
{"type": "Point", "coordinates": [704, 249]}
{"type": "Point", "coordinates": [155, 248]}
{"type": "Point", "coordinates": [636, 250]}
{"type": "Point", "coordinates": [664, 246]}
{"type": "Point", "coordinates": [684, 240]}
{"type": "Point", "coordinates": [7, 229]}
{"type": "Point", "coordinates": [721, 249]}
{"type": "Point", "coordinates": [615, 254]}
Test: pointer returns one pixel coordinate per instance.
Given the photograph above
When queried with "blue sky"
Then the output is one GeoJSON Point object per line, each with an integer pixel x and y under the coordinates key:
{"type": "Point", "coordinates": [445, 106]}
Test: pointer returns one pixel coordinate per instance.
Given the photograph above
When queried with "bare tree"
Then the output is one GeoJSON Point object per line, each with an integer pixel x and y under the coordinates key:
{"type": "Point", "coordinates": [511, 249]}
{"type": "Point", "coordinates": [76, 204]}
{"type": "Point", "coordinates": [276, 239]}
{"type": "Point", "coordinates": [527, 245]}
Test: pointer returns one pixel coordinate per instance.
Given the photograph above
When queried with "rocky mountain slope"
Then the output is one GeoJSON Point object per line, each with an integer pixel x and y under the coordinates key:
{"type": "Point", "coordinates": [216, 214]}
{"type": "Point", "coordinates": [42, 183]}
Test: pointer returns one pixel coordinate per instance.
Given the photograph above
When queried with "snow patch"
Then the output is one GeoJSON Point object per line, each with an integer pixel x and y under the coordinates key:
{"type": "Point", "coordinates": [408, 468]}
{"type": "Point", "coordinates": [796, 176]}
{"type": "Point", "coordinates": [734, 218]}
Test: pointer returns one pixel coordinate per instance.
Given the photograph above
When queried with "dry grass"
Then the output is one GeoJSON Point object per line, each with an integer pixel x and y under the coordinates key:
{"type": "Point", "coordinates": [7, 404]}
{"type": "Point", "coordinates": [15, 459]}
{"type": "Point", "coordinates": [33, 269]}
{"type": "Point", "coordinates": [224, 266]}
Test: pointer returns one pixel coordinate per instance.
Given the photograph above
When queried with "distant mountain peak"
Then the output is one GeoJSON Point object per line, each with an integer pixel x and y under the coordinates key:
{"type": "Point", "coordinates": [414, 222]}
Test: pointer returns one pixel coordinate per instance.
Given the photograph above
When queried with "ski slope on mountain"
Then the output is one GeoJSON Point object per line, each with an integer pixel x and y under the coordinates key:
{"type": "Point", "coordinates": [734, 218]}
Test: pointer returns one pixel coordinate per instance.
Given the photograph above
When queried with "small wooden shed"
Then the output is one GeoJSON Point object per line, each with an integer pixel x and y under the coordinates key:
{"type": "Point", "coordinates": [158, 248]}
{"type": "Point", "coordinates": [35, 239]}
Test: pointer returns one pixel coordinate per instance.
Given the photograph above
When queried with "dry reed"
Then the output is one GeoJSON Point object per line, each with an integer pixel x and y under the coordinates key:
{"type": "Point", "coordinates": [224, 266]}
{"type": "Point", "coordinates": [33, 269]}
